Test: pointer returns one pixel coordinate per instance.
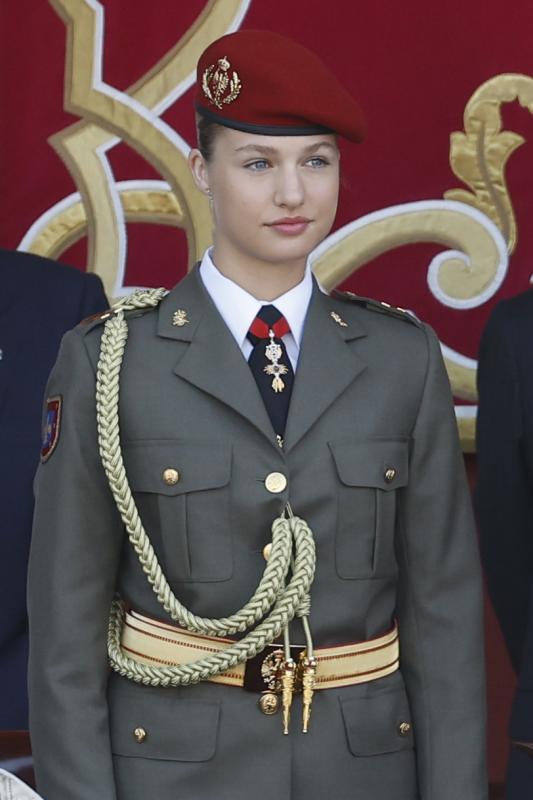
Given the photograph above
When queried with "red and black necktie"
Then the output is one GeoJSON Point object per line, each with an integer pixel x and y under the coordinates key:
{"type": "Point", "coordinates": [270, 364]}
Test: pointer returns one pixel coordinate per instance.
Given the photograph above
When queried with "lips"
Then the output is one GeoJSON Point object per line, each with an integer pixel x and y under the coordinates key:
{"type": "Point", "coordinates": [290, 225]}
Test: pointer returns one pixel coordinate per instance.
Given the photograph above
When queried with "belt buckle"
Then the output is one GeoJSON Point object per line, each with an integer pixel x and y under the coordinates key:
{"type": "Point", "coordinates": [262, 673]}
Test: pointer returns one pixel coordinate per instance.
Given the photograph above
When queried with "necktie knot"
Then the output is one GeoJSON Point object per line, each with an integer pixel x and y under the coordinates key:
{"type": "Point", "coordinates": [268, 318]}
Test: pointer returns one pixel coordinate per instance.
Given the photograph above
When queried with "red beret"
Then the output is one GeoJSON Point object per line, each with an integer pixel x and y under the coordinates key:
{"type": "Point", "coordinates": [262, 82]}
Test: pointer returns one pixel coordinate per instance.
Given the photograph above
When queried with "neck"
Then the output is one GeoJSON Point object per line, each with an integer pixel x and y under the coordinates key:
{"type": "Point", "coordinates": [264, 281]}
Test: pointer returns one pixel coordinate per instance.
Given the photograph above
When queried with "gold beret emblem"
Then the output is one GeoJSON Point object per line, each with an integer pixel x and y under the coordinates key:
{"type": "Point", "coordinates": [218, 86]}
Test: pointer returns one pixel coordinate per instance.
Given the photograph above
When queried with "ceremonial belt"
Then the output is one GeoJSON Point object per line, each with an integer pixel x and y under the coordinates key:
{"type": "Point", "coordinates": [149, 641]}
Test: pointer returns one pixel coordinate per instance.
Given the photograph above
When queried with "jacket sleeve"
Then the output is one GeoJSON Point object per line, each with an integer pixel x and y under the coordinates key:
{"type": "Point", "coordinates": [440, 611]}
{"type": "Point", "coordinates": [504, 502]}
{"type": "Point", "coordinates": [74, 560]}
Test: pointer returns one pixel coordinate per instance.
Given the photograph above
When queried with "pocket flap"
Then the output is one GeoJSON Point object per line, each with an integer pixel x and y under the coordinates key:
{"type": "Point", "coordinates": [379, 463]}
{"type": "Point", "coordinates": [194, 466]}
{"type": "Point", "coordinates": [376, 725]}
{"type": "Point", "coordinates": [153, 723]}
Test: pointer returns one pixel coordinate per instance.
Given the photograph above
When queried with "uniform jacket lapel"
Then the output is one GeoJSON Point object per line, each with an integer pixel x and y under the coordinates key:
{"type": "Point", "coordinates": [327, 365]}
{"type": "Point", "coordinates": [212, 360]}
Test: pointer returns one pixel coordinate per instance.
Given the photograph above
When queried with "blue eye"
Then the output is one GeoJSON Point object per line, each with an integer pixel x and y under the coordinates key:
{"type": "Point", "coordinates": [257, 166]}
{"type": "Point", "coordinates": [318, 161]}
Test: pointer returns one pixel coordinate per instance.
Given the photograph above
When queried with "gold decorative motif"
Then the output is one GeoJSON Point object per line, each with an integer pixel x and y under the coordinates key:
{"type": "Point", "coordinates": [271, 670]}
{"type": "Point", "coordinates": [338, 319]}
{"type": "Point", "coordinates": [274, 352]}
{"type": "Point", "coordinates": [215, 82]}
{"type": "Point", "coordinates": [404, 729]}
{"type": "Point", "coordinates": [112, 116]}
{"type": "Point", "coordinates": [179, 318]}
{"type": "Point", "coordinates": [277, 370]}
{"type": "Point", "coordinates": [479, 156]}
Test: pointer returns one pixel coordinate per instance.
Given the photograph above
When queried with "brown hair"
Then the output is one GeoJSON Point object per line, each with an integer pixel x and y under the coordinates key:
{"type": "Point", "coordinates": [206, 133]}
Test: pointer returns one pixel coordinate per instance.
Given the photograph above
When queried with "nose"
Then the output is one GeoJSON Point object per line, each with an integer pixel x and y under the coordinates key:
{"type": "Point", "coordinates": [289, 191]}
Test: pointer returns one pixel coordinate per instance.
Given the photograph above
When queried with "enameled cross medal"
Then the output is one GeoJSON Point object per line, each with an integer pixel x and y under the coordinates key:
{"type": "Point", "coordinates": [273, 352]}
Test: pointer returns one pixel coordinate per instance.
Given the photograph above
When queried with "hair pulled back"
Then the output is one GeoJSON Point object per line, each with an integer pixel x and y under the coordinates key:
{"type": "Point", "coordinates": [206, 132]}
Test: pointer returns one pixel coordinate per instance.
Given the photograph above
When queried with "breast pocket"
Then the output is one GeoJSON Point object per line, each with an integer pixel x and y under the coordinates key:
{"type": "Point", "coordinates": [183, 494]}
{"type": "Point", "coordinates": [369, 473]}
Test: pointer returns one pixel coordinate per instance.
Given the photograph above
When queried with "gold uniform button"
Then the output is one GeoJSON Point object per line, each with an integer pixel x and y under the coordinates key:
{"type": "Point", "coordinates": [140, 735]}
{"type": "Point", "coordinates": [404, 729]}
{"type": "Point", "coordinates": [267, 549]}
{"type": "Point", "coordinates": [171, 476]}
{"type": "Point", "coordinates": [276, 482]}
{"type": "Point", "coordinates": [269, 703]}
{"type": "Point", "coordinates": [390, 474]}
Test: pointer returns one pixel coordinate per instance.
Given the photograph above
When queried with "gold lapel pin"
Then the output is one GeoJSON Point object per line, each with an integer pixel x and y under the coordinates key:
{"type": "Point", "coordinates": [179, 318]}
{"type": "Point", "coordinates": [339, 320]}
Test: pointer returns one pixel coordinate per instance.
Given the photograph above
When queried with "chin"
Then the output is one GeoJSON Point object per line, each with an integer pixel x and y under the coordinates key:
{"type": "Point", "coordinates": [291, 250]}
{"type": "Point", "coordinates": [282, 256]}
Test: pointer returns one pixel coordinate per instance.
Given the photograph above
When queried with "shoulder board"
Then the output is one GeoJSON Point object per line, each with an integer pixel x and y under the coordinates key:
{"type": "Point", "coordinates": [377, 305]}
{"type": "Point", "coordinates": [101, 316]}
{"type": "Point", "coordinates": [139, 301]}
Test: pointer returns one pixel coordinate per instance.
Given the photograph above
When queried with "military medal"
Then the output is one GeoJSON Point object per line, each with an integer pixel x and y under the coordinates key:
{"type": "Point", "coordinates": [274, 352]}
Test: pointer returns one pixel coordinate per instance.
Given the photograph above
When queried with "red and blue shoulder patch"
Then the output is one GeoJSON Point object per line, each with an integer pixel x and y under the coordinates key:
{"type": "Point", "coordinates": [52, 426]}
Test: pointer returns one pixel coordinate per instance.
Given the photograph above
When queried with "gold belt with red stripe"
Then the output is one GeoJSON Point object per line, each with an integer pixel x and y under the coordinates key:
{"type": "Point", "coordinates": [149, 641]}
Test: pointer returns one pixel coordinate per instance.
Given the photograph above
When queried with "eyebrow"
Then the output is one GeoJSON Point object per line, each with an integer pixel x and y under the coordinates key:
{"type": "Point", "coordinates": [266, 150]}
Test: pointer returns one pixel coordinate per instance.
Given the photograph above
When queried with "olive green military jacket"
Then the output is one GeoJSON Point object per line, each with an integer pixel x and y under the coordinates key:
{"type": "Point", "coordinates": [370, 395]}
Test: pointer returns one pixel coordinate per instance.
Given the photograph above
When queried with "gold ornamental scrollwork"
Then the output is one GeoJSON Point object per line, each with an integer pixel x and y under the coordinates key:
{"type": "Point", "coordinates": [479, 156]}
{"type": "Point", "coordinates": [109, 116]}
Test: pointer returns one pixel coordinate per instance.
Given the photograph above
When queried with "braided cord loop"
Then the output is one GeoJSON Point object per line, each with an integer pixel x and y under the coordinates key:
{"type": "Point", "coordinates": [274, 603]}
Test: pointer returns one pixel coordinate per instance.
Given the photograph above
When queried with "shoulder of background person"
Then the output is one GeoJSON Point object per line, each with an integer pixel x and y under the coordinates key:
{"type": "Point", "coordinates": [511, 318]}
{"type": "Point", "coordinates": [58, 289]}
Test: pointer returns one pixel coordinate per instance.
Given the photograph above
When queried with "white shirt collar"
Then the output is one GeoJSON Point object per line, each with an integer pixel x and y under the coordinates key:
{"type": "Point", "coordinates": [238, 308]}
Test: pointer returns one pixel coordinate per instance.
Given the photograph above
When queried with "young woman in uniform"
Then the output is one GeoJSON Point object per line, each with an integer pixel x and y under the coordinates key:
{"type": "Point", "coordinates": [273, 504]}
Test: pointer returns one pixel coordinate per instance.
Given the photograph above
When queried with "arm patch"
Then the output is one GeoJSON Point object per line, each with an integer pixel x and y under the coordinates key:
{"type": "Point", "coordinates": [52, 425]}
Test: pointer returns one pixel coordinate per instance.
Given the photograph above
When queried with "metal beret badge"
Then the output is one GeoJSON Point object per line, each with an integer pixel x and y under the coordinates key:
{"type": "Point", "coordinates": [217, 85]}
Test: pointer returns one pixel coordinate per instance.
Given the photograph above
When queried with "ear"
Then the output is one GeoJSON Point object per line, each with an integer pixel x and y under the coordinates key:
{"type": "Point", "coordinates": [198, 167]}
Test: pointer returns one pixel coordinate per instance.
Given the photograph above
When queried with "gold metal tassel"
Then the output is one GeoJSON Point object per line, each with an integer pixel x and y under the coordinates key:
{"type": "Point", "coordinates": [287, 691]}
{"type": "Point", "coordinates": [308, 687]}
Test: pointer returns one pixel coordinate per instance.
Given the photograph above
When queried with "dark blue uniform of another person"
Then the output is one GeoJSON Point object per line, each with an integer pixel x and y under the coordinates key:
{"type": "Point", "coordinates": [504, 505]}
{"type": "Point", "coordinates": [39, 301]}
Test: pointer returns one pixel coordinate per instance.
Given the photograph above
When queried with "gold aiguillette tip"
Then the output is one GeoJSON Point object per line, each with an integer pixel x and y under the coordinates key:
{"type": "Point", "coordinates": [308, 686]}
{"type": "Point", "coordinates": [287, 691]}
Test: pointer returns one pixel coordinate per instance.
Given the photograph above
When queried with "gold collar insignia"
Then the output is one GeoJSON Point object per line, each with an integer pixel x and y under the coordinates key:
{"type": "Point", "coordinates": [338, 319]}
{"type": "Point", "coordinates": [179, 318]}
